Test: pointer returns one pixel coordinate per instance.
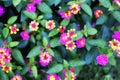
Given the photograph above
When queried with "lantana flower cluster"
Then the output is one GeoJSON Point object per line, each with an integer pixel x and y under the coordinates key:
{"type": "Point", "coordinates": [67, 40]}
{"type": "Point", "coordinates": [102, 59]}
{"type": "Point", "coordinates": [115, 43]}
{"type": "Point", "coordinates": [5, 57]}
{"type": "Point", "coordinates": [117, 2]}
{"type": "Point", "coordinates": [31, 7]}
{"type": "Point", "coordinates": [73, 9]}
{"type": "Point", "coordinates": [45, 58]}
{"type": "Point", "coordinates": [72, 73]}
{"type": "Point", "coordinates": [53, 77]}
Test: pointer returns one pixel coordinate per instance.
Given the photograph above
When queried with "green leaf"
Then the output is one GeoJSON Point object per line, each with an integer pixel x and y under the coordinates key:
{"type": "Point", "coordinates": [25, 70]}
{"type": "Point", "coordinates": [75, 2]}
{"type": "Point", "coordinates": [44, 8]}
{"type": "Point", "coordinates": [53, 32]}
{"type": "Point", "coordinates": [79, 35]}
{"type": "Point", "coordinates": [16, 2]}
{"type": "Point", "coordinates": [102, 19]}
{"type": "Point", "coordinates": [112, 61]}
{"type": "Point", "coordinates": [87, 9]}
{"type": "Point", "coordinates": [91, 31]}
{"type": "Point", "coordinates": [45, 41]}
{"type": "Point", "coordinates": [31, 15]}
{"type": "Point", "coordinates": [66, 64]}
{"type": "Point", "coordinates": [55, 42]}
{"type": "Point", "coordinates": [47, 16]}
{"type": "Point", "coordinates": [3, 76]}
{"type": "Point", "coordinates": [43, 22]}
{"type": "Point", "coordinates": [55, 69]}
{"type": "Point", "coordinates": [12, 19]}
{"type": "Point", "coordinates": [5, 32]}
{"type": "Point", "coordinates": [35, 72]}
{"type": "Point", "coordinates": [16, 54]}
{"type": "Point", "coordinates": [32, 39]}
{"type": "Point", "coordinates": [50, 51]}
{"type": "Point", "coordinates": [97, 42]}
{"type": "Point", "coordinates": [65, 22]}
{"type": "Point", "coordinates": [105, 3]}
{"type": "Point", "coordinates": [75, 63]}
{"type": "Point", "coordinates": [13, 44]}
{"type": "Point", "coordinates": [116, 15]}
{"type": "Point", "coordinates": [56, 2]}
{"type": "Point", "coordinates": [34, 52]}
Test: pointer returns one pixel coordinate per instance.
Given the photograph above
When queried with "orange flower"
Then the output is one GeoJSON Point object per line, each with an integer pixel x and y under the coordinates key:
{"type": "Point", "coordinates": [6, 68]}
{"type": "Point", "coordinates": [98, 13]}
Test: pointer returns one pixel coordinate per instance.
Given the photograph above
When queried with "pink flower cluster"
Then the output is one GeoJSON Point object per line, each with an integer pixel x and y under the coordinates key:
{"type": "Point", "coordinates": [73, 9]}
{"type": "Point", "coordinates": [117, 2]}
{"type": "Point", "coordinates": [45, 58]}
{"type": "Point", "coordinates": [36, 1]}
{"type": "Point", "coordinates": [53, 77]}
{"type": "Point", "coordinates": [72, 74]}
{"type": "Point", "coordinates": [5, 56]}
{"type": "Point", "coordinates": [116, 35]}
{"type": "Point", "coordinates": [25, 35]}
{"type": "Point", "coordinates": [16, 77]}
{"type": "Point", "coordinates": [31, 6]}
{"type": "Point", "coordinates": [102, 59]}
{"type": "Point", "coordinates": [115, 43]}
{"type": "Point", "coordinates": [66, 39]}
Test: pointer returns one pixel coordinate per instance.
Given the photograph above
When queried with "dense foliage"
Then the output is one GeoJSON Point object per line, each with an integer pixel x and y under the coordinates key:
{"type": "Point", "coordinates": [59, 39]}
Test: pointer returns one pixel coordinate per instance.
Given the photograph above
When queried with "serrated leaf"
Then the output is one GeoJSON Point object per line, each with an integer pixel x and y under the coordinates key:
{"type": "Point", "coordinates": [91, 31]}
{"type": "Point", "coordinates": [65, 22]}
{"type": "Point", "coordinates": [55, 69]}
{"type": "Point", "coordinates": [116, 15]}
{"type": "Point", "coordinates": [75, 63]}
{"type": "Point", "coordinates": [31, 15]}
{"type": "Point", "coordinates": [44, 8]}
{"type": "Point", "coordinates": [35, 71]}
{"type": "Point", "coordinates": [102, 19]}
{"type": "Point", "coordinates": [53, 32]}
{"type": "Point", "coordinates": [5, 32]}
{"type": "Point", "coordinates": [105, 3]}
{"type": "Point", "coordinates": [12, 19]}
{"type": "Point", "coordinates": [13, 44]}
{"type": "Point", "coordinates": [34, 52]}
{"type": "Point", "coordinates": [16, 54]}
{"type": "Point", "coordinates": [16, 2]}
{"type": "Point", "coordinates": [55, 42]}
{"type": "Point", "coordinates": [87, 9]}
